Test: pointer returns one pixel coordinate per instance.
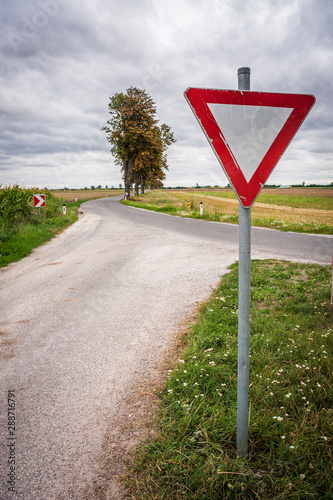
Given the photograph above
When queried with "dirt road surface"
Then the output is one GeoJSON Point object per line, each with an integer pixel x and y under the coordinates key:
{"type": "Point", "coordinates": [85, 321]}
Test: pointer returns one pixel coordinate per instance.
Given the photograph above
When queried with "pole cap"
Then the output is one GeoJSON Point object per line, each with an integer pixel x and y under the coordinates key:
{"type": "Point", "coordinates": [243, 70]}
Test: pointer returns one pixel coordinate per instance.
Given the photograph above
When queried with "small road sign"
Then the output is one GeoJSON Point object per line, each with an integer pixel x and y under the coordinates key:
{"type": "Point", "coordinates": [39, 200]}
{"type": "Point", "coordinates": [248, 132]}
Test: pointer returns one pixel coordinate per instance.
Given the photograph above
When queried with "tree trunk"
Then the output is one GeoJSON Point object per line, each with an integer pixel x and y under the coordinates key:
{"type": "Point", "coordinates": [127, 164]}
{"type": "Point", "coordinates": [137, 180]}
{"type": "Point", "coordinates": [143, 184]}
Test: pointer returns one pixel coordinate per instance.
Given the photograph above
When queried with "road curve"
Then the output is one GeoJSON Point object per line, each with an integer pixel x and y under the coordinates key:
{"type": "Point", "coordinates": [88, 313]}
{"type": "Point", "coordinates": [284, 245]}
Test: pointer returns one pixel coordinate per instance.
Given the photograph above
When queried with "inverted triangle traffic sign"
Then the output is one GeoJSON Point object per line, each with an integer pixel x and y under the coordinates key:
{"type": "Point", "coordinates": [248, 131]}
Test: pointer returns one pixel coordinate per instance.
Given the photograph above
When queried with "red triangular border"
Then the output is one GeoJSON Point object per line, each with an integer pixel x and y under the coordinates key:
{"type": "Point", "coordinates": [198, 100]}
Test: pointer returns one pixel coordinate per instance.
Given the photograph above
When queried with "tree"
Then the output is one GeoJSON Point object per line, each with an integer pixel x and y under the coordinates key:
{"type": "Point", "coordinates": [138, 144]}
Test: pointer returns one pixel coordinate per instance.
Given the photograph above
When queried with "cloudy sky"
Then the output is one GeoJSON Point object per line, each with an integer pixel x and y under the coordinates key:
{"type": "Point", "coordinates": [61, 60]}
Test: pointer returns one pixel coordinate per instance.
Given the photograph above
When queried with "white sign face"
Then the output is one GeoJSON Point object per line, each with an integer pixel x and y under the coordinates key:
{"type": "Point", "coordinates": [250, 131]}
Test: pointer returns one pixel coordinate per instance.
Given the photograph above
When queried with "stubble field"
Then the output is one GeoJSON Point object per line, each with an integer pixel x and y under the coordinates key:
{"type": "Point", "coordinates": [85, 195]}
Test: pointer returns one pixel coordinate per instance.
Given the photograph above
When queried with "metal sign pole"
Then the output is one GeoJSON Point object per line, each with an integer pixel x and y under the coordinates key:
{"type": "Point", "coordinates": [243, 308]}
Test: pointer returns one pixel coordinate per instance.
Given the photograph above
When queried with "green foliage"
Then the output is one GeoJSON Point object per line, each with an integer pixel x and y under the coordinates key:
{"type": "Point", "coordinates": [192, 455]}
{"type": "Point", "coordinates": [15, 204]}
{"type": "Point", "coordinates": [138, 144]}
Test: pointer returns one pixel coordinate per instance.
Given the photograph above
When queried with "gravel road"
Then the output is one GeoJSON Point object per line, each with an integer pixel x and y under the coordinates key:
{"type": "Point", "coordinates": [87, 317]}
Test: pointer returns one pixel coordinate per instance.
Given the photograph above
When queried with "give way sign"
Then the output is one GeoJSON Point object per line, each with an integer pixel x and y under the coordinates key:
{"type": "Point", "coordinates": [39, 200]}
{"type": "Point", "coordinates": [248, 132]}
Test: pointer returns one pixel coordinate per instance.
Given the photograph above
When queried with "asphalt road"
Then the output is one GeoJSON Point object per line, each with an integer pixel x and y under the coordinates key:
{"type": "Point", "coordinates": [290, 246]}
{"type": "Point", "coordinates": [89, 313]}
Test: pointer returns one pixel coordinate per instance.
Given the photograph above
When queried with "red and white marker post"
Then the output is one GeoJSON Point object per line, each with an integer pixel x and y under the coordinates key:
{"type": "Point", "coordinates": [39, 201]}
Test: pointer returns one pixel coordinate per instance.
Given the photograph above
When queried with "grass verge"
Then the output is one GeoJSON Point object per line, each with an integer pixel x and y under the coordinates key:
{"type": "Point", "coordinates": [20, 235]}
{"type": "Point", "coordinates": [193, 454]}
{"type": "Point", "coordinates": [18, 242]}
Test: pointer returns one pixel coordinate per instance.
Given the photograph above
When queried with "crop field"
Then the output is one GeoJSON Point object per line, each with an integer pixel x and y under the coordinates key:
{"type": "Point", "coordinates": [85, 195]}
{"type": "Point", "coordinates": [291, 209]}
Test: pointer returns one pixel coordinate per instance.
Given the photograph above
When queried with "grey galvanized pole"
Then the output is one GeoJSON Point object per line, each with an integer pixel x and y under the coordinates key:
{"type": "Point", "coordinates": [243, 308]}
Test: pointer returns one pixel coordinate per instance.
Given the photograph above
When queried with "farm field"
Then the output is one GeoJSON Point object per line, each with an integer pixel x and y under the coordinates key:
{"type": "Point", "coordinates": [85, 195]}
{"type": "Point", "coordinates": [291, 209]}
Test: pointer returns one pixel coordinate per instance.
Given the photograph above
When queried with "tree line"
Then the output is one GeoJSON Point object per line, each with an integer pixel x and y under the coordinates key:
{"type": "Point", "coordinates": [138, 143]}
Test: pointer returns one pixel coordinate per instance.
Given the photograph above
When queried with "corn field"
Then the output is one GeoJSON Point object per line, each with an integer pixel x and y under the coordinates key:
{"type": "Point", "coordinates": [16, 206]}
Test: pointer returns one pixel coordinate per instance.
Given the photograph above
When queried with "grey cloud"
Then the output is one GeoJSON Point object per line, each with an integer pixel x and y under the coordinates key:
{"type": "Point", "coordinates": [73, 55]}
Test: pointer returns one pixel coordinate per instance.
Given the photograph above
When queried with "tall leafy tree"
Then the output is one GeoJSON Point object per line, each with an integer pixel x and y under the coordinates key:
{"type": "Point", "coordinates": [138, 144]}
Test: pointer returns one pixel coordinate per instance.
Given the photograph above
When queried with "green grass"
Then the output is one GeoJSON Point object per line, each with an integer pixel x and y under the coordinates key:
{"type": "Point", "coordinates": [17, 243]}
{"type": "Point", "coordinates": [296, 227]}
{"type": "Point", "coordinates": [168, 209]}
{"type": "Point", "coordinates": [315, 202]}
{"type": "Point", "coordinates": [192, 455]}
